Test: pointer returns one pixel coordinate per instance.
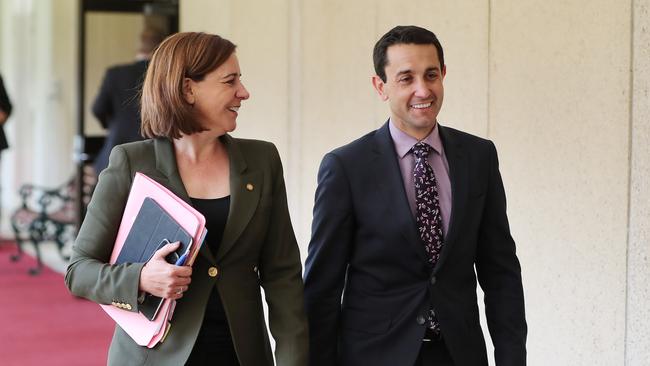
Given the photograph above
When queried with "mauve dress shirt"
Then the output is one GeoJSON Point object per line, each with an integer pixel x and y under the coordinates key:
{"type": "Point", "coordinates": [438, 161]}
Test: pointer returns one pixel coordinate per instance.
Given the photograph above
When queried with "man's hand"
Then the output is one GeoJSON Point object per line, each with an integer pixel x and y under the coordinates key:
{"type": "Point", "coordinates": [3, 117]}
{"type": "Point", "coordinates": [162, 279]}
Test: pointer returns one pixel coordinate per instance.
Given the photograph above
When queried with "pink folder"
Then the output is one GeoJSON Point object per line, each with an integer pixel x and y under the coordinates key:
{"type": "Point", "coordinates": [143, 331]}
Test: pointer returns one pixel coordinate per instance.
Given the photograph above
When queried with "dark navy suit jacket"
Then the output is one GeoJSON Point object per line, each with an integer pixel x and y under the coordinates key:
{"type": "Point", "coordinates": [367, 281]}
{"type": "Point", "coordinates": [117, 107]}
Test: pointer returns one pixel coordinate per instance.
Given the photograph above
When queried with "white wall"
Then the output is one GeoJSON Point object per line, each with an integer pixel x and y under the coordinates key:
{"type": "Point", "coordinates": [638, 279]}
{"type": "Point", "coordinates": [559, 113]}
{"type": "Point", "coordinates": [549, 82]}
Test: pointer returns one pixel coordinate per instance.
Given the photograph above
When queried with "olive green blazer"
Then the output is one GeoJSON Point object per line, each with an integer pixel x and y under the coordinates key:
{"type": "Point", "coordinates": [258, 249]}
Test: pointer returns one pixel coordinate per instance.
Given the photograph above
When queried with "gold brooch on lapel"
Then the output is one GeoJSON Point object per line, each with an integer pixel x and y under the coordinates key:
{"type": "Point", "coordinates": [249, 187]}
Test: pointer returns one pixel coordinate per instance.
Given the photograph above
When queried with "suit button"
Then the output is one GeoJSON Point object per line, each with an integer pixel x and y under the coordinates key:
{"type": "Point", "coordinates": [433, 280]}
{"type": "Point", "coordinates": [420, 319]}
{"type": "Point", "coordinates": [213, 272]}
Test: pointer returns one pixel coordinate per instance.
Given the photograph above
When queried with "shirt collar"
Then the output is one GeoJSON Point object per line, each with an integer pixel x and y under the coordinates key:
{"type": "Point", "coordinates": [404, 142]}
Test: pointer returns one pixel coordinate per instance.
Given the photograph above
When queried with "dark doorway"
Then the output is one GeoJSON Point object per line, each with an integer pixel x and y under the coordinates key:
{"type": "Point", "coordinates": [107, 33]}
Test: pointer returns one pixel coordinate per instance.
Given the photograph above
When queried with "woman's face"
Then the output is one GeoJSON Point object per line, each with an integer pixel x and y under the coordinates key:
{"type": "Point", "coordinates": [218, 96]}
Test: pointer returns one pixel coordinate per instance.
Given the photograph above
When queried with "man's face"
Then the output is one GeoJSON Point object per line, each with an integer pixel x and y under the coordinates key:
{"type": "Point", "coordinates": [413, 87]}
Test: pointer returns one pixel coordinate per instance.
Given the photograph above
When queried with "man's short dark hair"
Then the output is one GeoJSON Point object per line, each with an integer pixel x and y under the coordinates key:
{"type": "Point", "coordinates": [403, 34]}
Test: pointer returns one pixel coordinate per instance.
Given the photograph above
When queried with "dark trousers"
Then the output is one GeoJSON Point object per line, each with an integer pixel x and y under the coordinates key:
{"type": "Point", "coordinates": [434, 352]}
{"type": "Point", "coordinates": [218, 356]}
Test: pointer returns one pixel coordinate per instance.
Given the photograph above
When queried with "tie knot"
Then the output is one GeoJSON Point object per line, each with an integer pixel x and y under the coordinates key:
{"type": "Point", "coordinates": [421, 150]}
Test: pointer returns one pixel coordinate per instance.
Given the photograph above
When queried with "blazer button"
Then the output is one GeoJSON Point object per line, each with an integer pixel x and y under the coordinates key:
{"type": "Point", "coordinates": [213, 272]}
{"type": "Point", "coordinates": [420, 319]}
{"type": "Point", "coordinates": [433, 280]}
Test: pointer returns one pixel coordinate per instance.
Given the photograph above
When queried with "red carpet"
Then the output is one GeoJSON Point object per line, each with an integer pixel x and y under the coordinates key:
{"type": "Point", "coordinates": [42, 324]}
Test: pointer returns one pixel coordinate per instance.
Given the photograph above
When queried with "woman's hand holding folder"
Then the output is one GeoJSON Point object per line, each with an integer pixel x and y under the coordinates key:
{"type": "Point", "coordinates": [162, 279]}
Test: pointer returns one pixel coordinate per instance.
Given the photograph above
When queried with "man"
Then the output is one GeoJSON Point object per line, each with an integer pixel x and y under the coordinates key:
{"type": "Point", "coordinates": [402, 217]}
{"type": "Point", "coordinates": [117, 105]}
{"type": "Point", "coordinates": [5, 111]}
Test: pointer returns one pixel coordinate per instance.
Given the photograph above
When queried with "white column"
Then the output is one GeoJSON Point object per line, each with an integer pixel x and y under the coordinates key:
{"type": "Point", "coordinates": [559, 114]}
{"type": "Point", "coordinates": [638, 254]}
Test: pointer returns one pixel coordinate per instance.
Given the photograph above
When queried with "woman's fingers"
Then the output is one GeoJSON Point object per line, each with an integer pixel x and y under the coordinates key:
{"type": "Point", "coordinates": [162, 279]}
{"type": "Point", "coordinates": [165, 250]}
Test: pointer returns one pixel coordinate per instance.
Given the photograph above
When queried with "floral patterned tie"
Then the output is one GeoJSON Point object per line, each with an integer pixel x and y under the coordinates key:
{"type": "Point", "coordinates": [428, 216]}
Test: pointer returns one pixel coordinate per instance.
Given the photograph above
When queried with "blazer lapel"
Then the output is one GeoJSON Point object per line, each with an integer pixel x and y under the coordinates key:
{"type": "Point", "coordinates": [387, 173]}
{"type": "Point", "coordinates": [245, 191]}
{"type": "Point", "coordinates": [458, 175]}
{"type": "Point", "coordinates": [166, 164]}
{"type": "Point", "coordinates": [243, 201]}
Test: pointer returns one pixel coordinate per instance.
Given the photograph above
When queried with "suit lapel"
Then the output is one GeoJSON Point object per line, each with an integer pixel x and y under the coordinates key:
{"type": "Point", "coordinates": [387, 173]}
{"type": "Point", "coordinates": [245, 191]}
{"type": "Point", "coordinates": [391, 185]}
{"type": "Point", "coordinates": [458, 175]}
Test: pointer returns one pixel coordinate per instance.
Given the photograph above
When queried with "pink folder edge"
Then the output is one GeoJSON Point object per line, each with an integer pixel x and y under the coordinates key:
{"type": "Point", "coordinates": [143, 331]}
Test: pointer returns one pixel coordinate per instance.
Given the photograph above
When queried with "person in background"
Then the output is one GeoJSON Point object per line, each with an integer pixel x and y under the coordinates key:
{"type": "Point", "coordinates": [402, 218]}
{"type": "Point", "coordinates": [191, 98]}
{"type": "Point", "coordinates": [116, 105]}
{"type": "Point", "coordinates": [5, 112]}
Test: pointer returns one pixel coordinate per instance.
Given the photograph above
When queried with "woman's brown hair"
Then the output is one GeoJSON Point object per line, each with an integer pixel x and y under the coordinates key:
{"type": "Point", "coordinates": [164, 110]}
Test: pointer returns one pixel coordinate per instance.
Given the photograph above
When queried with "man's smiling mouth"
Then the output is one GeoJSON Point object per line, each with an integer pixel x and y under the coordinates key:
{"type": "Point", "coordinates": [421, 105]}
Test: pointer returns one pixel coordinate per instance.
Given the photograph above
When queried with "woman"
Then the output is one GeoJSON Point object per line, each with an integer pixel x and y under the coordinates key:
{"type": "Point", "coordinates": [190, 99]}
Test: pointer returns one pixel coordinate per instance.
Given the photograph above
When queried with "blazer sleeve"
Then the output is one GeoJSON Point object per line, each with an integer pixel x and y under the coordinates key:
{"type": "Point", "coordinates": [499, 274]}
{"type": "Point", "coordinates": [102, 106]}
{"type": "Point", "coordinates": [280, 274]}
{"type": "Point", "coordinates": [89, 275]}
{"type": "Point", "coordinates": [327, 261]}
